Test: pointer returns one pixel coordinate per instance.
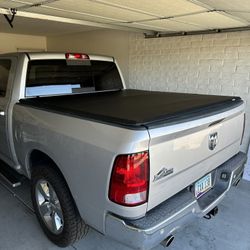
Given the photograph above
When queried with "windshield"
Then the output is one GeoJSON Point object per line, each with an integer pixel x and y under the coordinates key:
{"type": "Point", "coordinates": [56, 77]}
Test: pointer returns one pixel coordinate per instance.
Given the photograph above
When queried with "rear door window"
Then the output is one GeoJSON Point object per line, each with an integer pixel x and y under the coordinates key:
{"type": "Point", "coordinates": [57, 77]}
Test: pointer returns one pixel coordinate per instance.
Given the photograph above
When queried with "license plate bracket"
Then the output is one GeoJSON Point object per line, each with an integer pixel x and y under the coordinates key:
{"type": "Point", "coordinates": [203, 185]}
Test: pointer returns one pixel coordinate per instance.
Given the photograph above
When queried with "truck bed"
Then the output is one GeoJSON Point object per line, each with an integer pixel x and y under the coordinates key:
{"type": "Point", "coordinates": [135, 108]}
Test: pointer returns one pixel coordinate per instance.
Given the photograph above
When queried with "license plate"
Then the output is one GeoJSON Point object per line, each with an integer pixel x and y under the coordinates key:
{"type": "Point", "coordinates": [203, 185]}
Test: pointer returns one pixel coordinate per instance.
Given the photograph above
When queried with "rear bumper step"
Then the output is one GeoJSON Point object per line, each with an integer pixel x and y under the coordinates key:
{"type": "Point", "coordinates": [172, 214]}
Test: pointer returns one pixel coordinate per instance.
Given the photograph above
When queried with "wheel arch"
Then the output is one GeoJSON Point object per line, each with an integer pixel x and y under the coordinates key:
{"type": "Point", "coordinates": [47, 169]}
{"type": "Point", "coordinates": [37, 157]}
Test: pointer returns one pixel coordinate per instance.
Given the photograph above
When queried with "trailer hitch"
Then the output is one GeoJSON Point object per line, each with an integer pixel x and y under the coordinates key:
{"type": "Point", "coordinates": [211, 213]}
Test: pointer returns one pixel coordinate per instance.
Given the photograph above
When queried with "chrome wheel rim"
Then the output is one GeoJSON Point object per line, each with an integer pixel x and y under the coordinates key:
{"type": "Point", "coordinates": [49, 206]}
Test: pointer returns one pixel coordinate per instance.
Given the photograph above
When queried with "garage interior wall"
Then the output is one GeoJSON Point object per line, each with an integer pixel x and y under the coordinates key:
{"type": "Point", "coordinates": [16, 42]}
{"type": "Point", "coordinates": [104, 42]}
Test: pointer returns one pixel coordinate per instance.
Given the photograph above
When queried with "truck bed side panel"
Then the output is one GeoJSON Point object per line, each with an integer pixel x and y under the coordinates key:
{"type": "Point", "coordinates": [84, 151]}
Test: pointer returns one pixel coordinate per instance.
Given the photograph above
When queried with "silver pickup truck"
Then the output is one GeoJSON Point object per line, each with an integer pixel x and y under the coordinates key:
{"type": "Point", "coordinates": [134, 165]}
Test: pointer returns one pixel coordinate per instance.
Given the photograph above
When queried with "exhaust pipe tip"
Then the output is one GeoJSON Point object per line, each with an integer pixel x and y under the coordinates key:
{"type": "Point", "coordinates": [168, 241]}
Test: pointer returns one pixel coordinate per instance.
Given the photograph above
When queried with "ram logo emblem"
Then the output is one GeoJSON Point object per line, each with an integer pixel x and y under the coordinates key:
{"type": "Point", "coordinates": [212, 141]}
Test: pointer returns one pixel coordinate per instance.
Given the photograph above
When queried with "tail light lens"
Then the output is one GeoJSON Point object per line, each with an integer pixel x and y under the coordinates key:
{"type": "Point", "coordinates": [129, 180]}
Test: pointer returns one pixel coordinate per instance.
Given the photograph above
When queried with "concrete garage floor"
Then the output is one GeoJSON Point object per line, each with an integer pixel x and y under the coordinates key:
{"type": "Point", "coordinates": [230, 229]}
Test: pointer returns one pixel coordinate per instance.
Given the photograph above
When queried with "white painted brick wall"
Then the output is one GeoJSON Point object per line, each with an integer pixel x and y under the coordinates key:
{"type": "Point", "coordinates": [206, 64]}
{"type": "Point", "coordinates": [209, 64]}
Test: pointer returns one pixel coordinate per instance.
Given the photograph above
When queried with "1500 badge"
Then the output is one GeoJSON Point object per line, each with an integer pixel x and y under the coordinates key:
{"type": "Point", "coordinates": [163, 173]}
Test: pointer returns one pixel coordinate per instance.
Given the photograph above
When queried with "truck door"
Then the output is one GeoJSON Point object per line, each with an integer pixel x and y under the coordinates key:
{"type": "Point", "coordinates": [6, 77]}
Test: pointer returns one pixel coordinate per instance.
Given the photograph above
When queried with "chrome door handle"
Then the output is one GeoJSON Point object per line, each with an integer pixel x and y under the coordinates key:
{"type": "Point", "coordinates": [2, 113]}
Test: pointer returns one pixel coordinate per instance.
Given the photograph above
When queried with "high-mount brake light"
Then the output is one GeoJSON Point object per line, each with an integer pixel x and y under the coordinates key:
{"type": "Point", "coordinates": [76, 56]}
{"type": "Point", "coordinates": [129, 179]}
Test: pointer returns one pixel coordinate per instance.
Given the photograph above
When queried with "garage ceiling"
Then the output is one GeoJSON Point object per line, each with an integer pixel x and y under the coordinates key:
{"type": "Point", "coordinates": [163, 16]}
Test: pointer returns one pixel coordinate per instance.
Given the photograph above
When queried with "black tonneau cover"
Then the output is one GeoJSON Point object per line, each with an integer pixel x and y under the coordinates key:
{"type": "Point", "coordinates": [135, 108]}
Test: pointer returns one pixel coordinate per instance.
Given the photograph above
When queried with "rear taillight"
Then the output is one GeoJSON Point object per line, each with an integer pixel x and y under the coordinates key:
{"type": "Point", "coordinates": [129, 179]}
{"type": "Point", "coordinates": [76, 56]}
{"type": "Point", "coordinates": [243, 131]}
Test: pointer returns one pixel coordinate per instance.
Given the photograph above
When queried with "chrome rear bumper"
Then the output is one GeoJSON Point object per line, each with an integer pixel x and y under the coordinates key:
{"type": "Point", "coordinates": [165, 219]}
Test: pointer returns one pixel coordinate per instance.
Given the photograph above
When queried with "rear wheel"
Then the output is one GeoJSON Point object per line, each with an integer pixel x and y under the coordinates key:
{"type": "Point", "coordinates": [55, 207]}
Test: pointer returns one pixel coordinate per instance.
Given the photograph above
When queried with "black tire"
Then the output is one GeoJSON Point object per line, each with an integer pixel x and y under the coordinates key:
{"type": "Point", "coordinates": [74, 227]}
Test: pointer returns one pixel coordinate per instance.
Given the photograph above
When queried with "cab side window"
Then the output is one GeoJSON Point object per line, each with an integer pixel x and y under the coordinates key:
{"type": "Point", "coordinates": [5, 65]}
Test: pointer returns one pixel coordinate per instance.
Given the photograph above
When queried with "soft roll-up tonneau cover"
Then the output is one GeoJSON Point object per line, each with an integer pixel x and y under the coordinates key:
{"type": "Point", "coordinates": [135, 108]}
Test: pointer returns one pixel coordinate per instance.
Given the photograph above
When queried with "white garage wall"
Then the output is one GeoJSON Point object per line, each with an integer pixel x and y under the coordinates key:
{"type": "Point", "coordinates": [105, 42]}
{"type": "Point", "coordinates": [209, 64]}
{"type": "Point", "coordinates": [14, 42]}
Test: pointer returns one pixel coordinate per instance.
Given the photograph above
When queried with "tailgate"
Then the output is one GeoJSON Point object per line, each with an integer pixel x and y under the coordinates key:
{"type": "Point", "coordinates": [182, 153]}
